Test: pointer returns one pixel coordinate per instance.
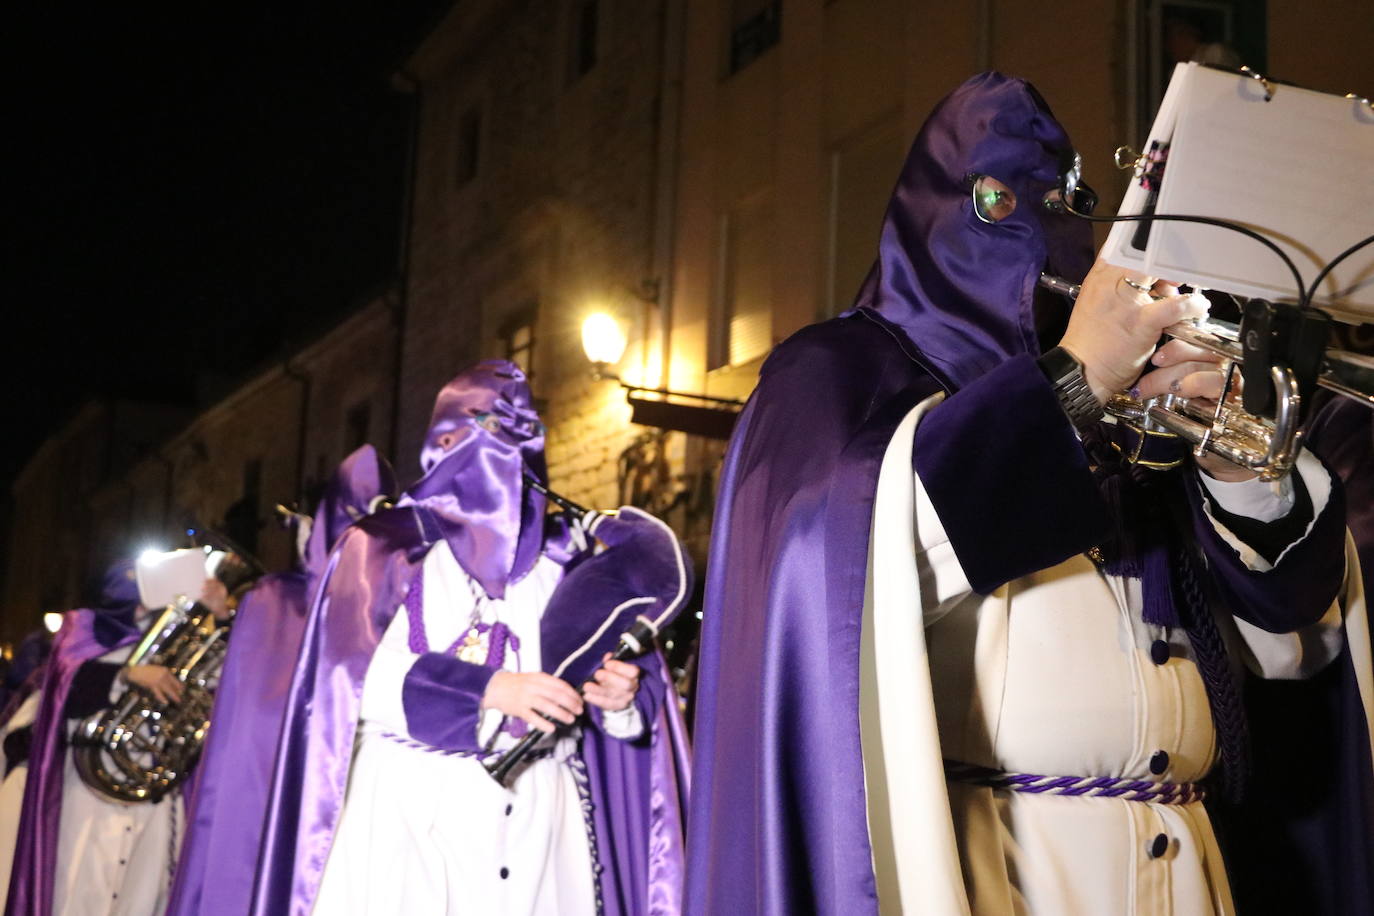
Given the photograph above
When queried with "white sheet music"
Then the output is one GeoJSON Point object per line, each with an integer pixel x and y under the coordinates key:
{"type": "Point", "coordinates": [1299, 168]}
{"type": "Point", "coordinates": [165, 577]}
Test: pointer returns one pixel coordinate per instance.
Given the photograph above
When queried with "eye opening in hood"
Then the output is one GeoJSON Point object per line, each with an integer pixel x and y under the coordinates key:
{"type": "Point", "coordinates": [993, 200]}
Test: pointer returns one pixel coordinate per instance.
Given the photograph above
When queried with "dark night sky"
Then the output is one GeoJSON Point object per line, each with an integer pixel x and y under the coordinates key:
{"type": "Point", "coordinates": [191, 190]}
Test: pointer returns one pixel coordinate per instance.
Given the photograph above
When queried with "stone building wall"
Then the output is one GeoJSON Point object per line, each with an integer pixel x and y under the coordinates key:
{"type": "Point", "coordinates": [120, 478]}
{"type": "Point", "coordinates": [54, 547]}
{"type": "Point", "coordinates": [556, 222]}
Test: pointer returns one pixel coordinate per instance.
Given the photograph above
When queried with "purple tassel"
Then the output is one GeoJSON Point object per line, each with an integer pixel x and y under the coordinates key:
{"type": "Point", "coordinates": [1157, 599]}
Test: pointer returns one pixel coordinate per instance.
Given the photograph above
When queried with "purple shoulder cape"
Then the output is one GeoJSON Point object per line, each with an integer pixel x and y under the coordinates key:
{"type": "Point", "coordinates": [224, 822]}
{"type": "Point", "coordinates": [84, 635]}
{"type": "Point", "coordinates": [367, 578]}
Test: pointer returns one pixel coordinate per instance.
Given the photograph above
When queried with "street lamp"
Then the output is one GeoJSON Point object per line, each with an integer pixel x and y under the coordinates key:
{"type": "Point", "coordinates": [603, 341]}
{"type": "Point", "coordinates": [52, 621]}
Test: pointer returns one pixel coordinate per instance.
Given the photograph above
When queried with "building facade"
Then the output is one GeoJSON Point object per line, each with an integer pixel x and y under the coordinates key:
{"type": "Point", "coordinates": [121, 478]}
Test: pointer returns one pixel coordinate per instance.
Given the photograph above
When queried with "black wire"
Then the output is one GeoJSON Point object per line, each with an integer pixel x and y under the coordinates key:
{"type": "Point", "coordinates": [1316, 284]}
{"type": "Point", "coordinates": [1299, 286]}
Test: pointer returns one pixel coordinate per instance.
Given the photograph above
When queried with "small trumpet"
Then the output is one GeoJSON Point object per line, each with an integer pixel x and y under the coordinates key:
{"type": "Point", "coordinates": [1280, 352]}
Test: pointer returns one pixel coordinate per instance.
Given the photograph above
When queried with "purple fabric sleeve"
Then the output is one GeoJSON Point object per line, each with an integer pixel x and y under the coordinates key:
{"type": "Point", "coordinates": [1298, 590]}
{"type": "Point", "coordinates": [442, 697]}
{"type": "Point", "coordinates": [1008, 476]}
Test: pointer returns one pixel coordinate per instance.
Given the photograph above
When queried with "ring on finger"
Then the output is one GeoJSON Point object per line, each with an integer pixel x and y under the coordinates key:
{"type": "Point", "coordinates": [1140, 288]}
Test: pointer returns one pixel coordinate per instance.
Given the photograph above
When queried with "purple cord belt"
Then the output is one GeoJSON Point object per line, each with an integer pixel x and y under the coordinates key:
{"type": "Point", "coordinates": [1125, 788]}
{"type": "Point", "coordinates": [482, 755]}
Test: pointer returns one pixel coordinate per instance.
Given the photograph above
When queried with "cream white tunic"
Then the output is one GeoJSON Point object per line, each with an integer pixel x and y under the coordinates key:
{"type": "Point", "coordinates": [113, 858]}
{"type": "Point", "coordinates": [1050, 674]}
{"type": "Point", "coordinates": [427, 832]}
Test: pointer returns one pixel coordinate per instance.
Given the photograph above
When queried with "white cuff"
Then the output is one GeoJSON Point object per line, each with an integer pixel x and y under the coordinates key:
{"type": "Point", "coordinates": [625, 724]}
{"type": "Point", "coordinates": [1262, 500]}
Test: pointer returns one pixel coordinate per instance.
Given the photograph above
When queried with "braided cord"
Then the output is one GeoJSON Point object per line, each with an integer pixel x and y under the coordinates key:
{"type": "Point", "coordinates": [1124, 788]}
{"type": "Point", "coordinates": [584, 796]}
{"type": "Point", "coordinates": [1228, 711]}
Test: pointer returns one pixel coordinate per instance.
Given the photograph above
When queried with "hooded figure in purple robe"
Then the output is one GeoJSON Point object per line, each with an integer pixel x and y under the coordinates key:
{"type": "Point", "coordinates": [84, 636]}
{"type": "Point", "coordinates": [797, 806]}
{"type": "Point", "coordinates": [219, 855]}
{"type": "Point", "coordinates": [484, 438]}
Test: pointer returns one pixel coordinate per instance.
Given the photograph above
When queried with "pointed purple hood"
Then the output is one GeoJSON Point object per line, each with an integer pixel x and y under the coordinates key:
{"type": "Point", "coordinates": [352, 493]}
{"type": "Point", "coordinates": [931, 278]}
{"type": "Point", "coordinates": [483, 435]}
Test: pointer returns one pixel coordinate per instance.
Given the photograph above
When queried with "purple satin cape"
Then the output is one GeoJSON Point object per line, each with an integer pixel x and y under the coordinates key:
{"type": "Point", "coordinates": [641, 789]}
{"type": "Point", "coordinates": [1309, 847]}
{"type": "Point", "coordinates": [224, 824]}
{"type": "Point", "coordinates": [226, 813]}
{"type": "Point", "coordinates": [778, 821]}
{"type": "Point", "coordinates": [84, 635]}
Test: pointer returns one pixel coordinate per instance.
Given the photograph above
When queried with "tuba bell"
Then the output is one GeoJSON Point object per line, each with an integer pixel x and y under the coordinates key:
{"type": "Point", "coordinates": [140, 749]}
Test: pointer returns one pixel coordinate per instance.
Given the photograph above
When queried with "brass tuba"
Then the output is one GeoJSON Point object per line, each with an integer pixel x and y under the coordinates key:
{"type": "Point", "coordinates": [140, 749]}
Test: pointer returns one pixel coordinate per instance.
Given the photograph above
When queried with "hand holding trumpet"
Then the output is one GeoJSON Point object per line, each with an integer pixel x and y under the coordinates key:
{"type": "Point", "coordinates": [1113, 330]}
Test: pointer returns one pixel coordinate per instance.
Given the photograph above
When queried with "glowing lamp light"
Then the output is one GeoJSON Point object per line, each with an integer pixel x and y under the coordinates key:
{"type": "Point", "coordinates": [602, 339]}
{"type": "Point", "coordinates": [52, 621]}
{"type": "Point", "coordinates": [150, 556]}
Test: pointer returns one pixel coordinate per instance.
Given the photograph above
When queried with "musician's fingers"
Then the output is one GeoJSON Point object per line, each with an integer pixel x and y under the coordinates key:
{"type": "Point", "coordinates": [1186, 380]}
{"type": "Point", "coordinates": [558, 694]}
{"type": "Point", "coordinates": [1179, 351]}
{"type": "Point", "coordinates": [537, 721]}
{"type": "Point", "coordinates": [609, 700]}
{"type": "Point", "coordinates": [163, 692]}
{"type": "Point", "coordinates": [1207, 383]}
{"type": "Point", "coordinates": [597, 695]}
{"type": "Point", "coordinates": [624, 669]}
{"type": "Point", "coordinates": [614, 680]}
{"type": "Point", "coordinates": [1165, 288]}
{"type": "Point", "coordinates": [1161, 313]}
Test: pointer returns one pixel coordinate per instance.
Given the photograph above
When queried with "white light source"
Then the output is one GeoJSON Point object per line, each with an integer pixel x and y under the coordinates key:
{"type": "Point", "coordinates": [149, 556]}
{"type": "Point", "coordinates": [52, 621]}
{"type": "Point", "coordinates": [602, 339]}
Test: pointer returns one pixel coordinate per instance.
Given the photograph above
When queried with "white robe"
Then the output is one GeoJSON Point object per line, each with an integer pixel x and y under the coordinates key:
{"type": "Point", "coordinates": [424, 832]}
{"type": "Point", "coordinates": [113, 859]}
{"type": "Point", "coordinates": [1050, 674]}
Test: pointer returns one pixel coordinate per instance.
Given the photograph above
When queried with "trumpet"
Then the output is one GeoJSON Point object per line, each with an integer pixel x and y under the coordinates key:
{"type": "Point", "coordinates": [1278, 356]}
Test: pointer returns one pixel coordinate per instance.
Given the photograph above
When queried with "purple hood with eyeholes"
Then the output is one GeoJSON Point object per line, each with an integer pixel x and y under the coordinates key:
{"type": "Point", "coordinates": [931, 277]}
{"type": "Point", "coordinates": [484, 437]}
